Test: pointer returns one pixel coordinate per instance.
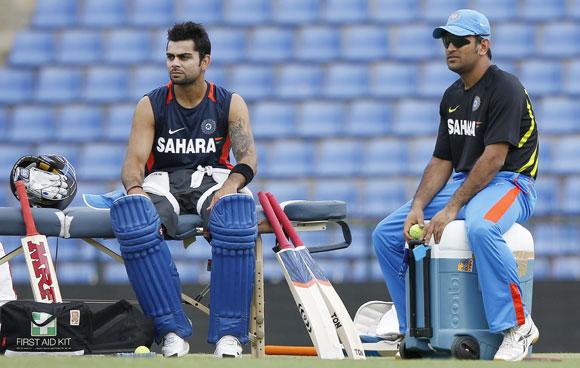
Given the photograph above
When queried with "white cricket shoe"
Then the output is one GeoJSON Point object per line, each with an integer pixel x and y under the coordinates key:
{"type": "Point", "coordinates": [174, 346]}
{"type": "Point", "coordinates": [517, 340]}
{"type": "Point", "coordinates": [228, 347]}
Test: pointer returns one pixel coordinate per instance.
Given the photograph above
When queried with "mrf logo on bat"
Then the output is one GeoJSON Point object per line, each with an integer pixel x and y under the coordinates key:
{"type": "Point", "coordinates": [43, 278]}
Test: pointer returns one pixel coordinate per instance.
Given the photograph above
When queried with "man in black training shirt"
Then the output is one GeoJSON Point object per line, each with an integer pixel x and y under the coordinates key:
{"type": "Point", "coordinates": [488, 140]}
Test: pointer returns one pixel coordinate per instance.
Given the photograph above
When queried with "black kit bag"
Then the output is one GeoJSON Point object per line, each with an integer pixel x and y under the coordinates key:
{"type": "Point", "coordinates": [52, 328]}
{"type": "Point", "coordinates": [121, 327]}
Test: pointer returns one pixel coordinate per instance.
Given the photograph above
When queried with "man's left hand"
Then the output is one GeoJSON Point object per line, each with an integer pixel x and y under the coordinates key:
{"type": "Point", "coordinates": [437, 224]}
{"type": "Point", "coordinates": [224, 190]}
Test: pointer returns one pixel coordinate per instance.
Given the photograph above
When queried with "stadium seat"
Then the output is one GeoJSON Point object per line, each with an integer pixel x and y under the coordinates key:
{"type": "Point", "coordinates": [549, 192]}
{"type": "Point", "coordinates": [420, 152]}
{"type": "Point", "coordinates": [32, 124]}
{"type": "Point", "coordinates": [383, 196]}
{"type": "Point", "coordinates": [566, 268]}
{"type": "Point", "coordinates": [547, 154]}
{"type": "Point", "coordinates": [126, 46]}
{"type": "Point", "coordinates": [368, 118]}
{"type": "Point", "coordinates": [365, 43]}
{"type": "Point", "coordinates": [317, 43]}
{"type": "Point", "coordinates": [513, 40]}
{"type": "Point", "coordinates": [217, 75]}
{"type": "Point", "coordinates": [269, 44]}
{"type": "Point", "coordinates": [3, 121]}
{"type": "Point", "coordinates": [361, 243]}
{"type": "Point", "coordinates": [571, 192]}
{"type": "Point", "coordinates": [115, 273]}
{"type": "Point", "coordinates": [416, 117]}
{"type": "Point", "coordinates": [273, 119]}
{"type": "Point", "coordinates": [58, 85]}
{"type": "Point", "coordinates": [246, 12]}
{"type": "Point", "coordinates": [415, 42]}
{"type": "Point", "coordinates": [159, 47]}
{"type": "Point", "coordinates": [541, 77]}
{"type": "Point", "coordinates": [227, 45]}
{"type": "Point", "coordinates": [55, 13]}
{"type": "Point", "coordinates": [285, 190]}
{"type": "Point", "coordinates": [393, 80]}
{"type": "Point", "coordinates": [295, 11]}
{"type": "Point", "coordinates": [205, 12]}
{"type": "Point", "coordinates": [383, 157]}
{"type": "Point", "coordinates": [15, 85]}
{"type": "Point", "coordinates": [565, 155]}
{"type": "Point", "coordinates": [79, 123]}
{"type": "Point", "coordinates": [103, 13]}
{"type": "Point", "coordinates": [118, 122]}
{"type": "Point", "coordinates": [337, 157]}
{"type": "Point", "coordinates": [559, 40]}
{"type": "Point", "coordinates": [573, 9]}
{"type": "Point", "coordinates": [151, 13]}
{"type": "Point", "coordinates": [437, 11]}
{"type": "Point", "coordinates": [75, 250]}
{"type": "Point", "coordinates": [79, 47]}
{"type": "Point", "coordinates": [393, 11]}
{"type": "Point", "coordinates": [286, 158]}
{"type": "Point", "coordinates": [320, 119]}
{"type": "Point", "coordinates": [497, 10]}
{"type": "Point", "coordinates": [298, 81]}
{"type": "Point", "coordinates": [252, 81]}
{"type": "Point", "coordinates": [434, 79]}
{"type": "Point", "coordinates": [106, 84]}
{"type": "Point", "coordinates": [345, 80]}
{"type": "Point", "coordinates": [558, 115]}
{"type": "Point", "coordinates": [541, 10]}
{"type": "Point", "coordinates": [146, 79]}
{"type": "Point", "coordinates": [572, 77]}
{"type": "Point", "coordinates": [9, 154]}
{"type": "Point", "coordinates": [32, 48]}
{"type": "Point", "coordinates": [345, 11]}
{"type": "Point", "coordinates": [101, 161]}
{"type": "Point", "coordinates": [547, 239]}
{"type": "Point", "coordinates": [347, 190]}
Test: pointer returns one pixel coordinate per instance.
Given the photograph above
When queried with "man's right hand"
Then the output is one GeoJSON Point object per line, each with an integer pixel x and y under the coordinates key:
{"type": "Point", "coordinates": [415, 216]}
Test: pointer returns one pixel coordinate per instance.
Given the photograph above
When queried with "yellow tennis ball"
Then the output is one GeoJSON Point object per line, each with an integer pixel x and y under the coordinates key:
{"type": "Point", "coordinates": [416, 232]}
{"type": "Point", "coordinates": [141, 350]}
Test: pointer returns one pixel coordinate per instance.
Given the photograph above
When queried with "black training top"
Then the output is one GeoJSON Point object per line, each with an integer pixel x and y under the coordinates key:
{"type": "Point", "coordinates": [186, 138]}
{"type": "Point", "coordinates": [496, 109]}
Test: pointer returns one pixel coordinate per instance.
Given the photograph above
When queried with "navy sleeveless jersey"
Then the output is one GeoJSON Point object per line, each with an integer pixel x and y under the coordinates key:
{"type": "Point", "coordinates": [186, 138]}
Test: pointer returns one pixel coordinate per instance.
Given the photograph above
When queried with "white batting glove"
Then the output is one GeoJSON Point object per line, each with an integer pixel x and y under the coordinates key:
{"type": "Point", "coordinates": [42, 184]}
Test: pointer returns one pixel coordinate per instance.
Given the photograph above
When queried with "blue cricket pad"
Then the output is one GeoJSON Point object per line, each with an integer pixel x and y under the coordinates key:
{"type": "Point", "coordinates": [149, 264]}
{"type": "Point", "coordinates": [234, 227]}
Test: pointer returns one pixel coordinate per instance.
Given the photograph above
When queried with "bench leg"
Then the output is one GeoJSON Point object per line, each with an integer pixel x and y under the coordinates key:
{"type": "Point", "coordinates": [257, 322]}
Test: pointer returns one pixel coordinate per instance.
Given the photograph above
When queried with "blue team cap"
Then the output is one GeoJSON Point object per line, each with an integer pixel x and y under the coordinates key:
{"type": "Point", "coordinates": [465, 22]}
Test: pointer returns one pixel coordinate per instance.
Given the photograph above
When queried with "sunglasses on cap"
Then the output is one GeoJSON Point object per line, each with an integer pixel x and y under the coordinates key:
{"type": "Point", "coordinates": [457, 41]}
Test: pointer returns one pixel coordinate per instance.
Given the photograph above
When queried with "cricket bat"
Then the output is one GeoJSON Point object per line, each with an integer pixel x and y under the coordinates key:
{"type": "Point", "coordinates": [38, 259]}
{"type": "Point", "coordinates": [306, 294]}
{"type": "Point", "coordinates": [343, 323]}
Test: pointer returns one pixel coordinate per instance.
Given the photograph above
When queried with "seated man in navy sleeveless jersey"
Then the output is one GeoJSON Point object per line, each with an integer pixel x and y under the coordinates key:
{"type": "Point", "coordinates": [178, 161]}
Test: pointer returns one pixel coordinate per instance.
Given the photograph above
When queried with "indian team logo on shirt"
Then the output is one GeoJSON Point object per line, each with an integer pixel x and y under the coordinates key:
{"type": "Point", "coordinates": [38, 327]}
{"type": "Point", "coordinates": [208, 126]}
{"type": "Point", "coordinates": [476, 103]}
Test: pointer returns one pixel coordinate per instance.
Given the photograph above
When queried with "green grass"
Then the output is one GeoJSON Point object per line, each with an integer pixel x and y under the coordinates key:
{"type": "Point", "coordinates": [207, 361]}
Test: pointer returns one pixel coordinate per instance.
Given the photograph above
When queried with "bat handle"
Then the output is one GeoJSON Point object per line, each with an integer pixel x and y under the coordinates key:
{"type": "Point", "coordinates": [285, 221]}
{"type": "Point", "coordinates": [25, 208]}
{"type": "Point", "coordinates": [271, 216]}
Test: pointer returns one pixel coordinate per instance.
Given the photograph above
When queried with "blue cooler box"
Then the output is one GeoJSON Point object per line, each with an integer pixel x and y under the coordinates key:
{"type": "Point", "coordinates": [444, 305]}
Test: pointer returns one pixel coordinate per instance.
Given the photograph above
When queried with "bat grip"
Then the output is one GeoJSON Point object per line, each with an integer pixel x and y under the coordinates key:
{"type": "Point", "coordinates": [25, 208]}
{"type": "Point", "coordinates": [271, 216]}
{"type": "Point", "coordinates": [281, 215]}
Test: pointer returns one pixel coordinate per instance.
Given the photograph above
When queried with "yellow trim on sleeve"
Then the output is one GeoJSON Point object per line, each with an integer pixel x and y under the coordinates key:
{"type": "Point", "coordinates": [532, 124]}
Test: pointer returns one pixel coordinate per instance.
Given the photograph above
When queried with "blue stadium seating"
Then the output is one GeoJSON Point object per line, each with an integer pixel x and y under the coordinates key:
{"type": "Point", "coordinates": [246, 12]}
{"type": "Point", "coordinates": [566, 268]}
{"type": "Point", "coordinates": [420, 152]}
{"type": "Point", "coordinates": [298, 81]}
{"type": "Point", "coordinates": [103, 13]}
{"type": "Point", "coordinates": [126, 46]}
{"type": "Point", "coordinates": [151, 13]}
{"type": "Point", "coordinates": [217, 75]}
{"type": "Point", "coordinates": [345, 11]}
{"type": "Point", "coordinates": [320, 119]}
{"type": "Point", "coordinates": [437, 11]}
{"type": "Point", "coordinates": [269, 44]}
{"type": "Point", "coordinates": [32, 48]}
{"type": "Point", "coordinates": [383, 196]}
{"type": "Point", "coordinates": [115, 273]}
{"type": "Point", "coordinates": [286, 158]}
{"type": "Point", "coordinates": [415, 42]}
{"type": "Point", "coordinates": [513, 40]}
{"type": "Point", "coordinates": [541, 77]}
{"type": "Point", "coordinates": [384, 157]}
{"type": "Point", "coordinates": [32, 124]}
{"type": "Point", "coordinates": [558, 115]}
{"type": "Point", "coordinates": [252, 81]}
{"type": "Point", "coordinates": [548, 189]}
{"type": "Point", "coordinates": [158, 51]}
{"type": "Point", "coordinates": [79, 123]}
{"type": "Point", "coordinates": [295, 11]}
{"type": "Point", "coordinates": [106, 84]}
{"type": "Point", "coordinates": [146, 79]}
{"type": "Point", "coordinates": [573, 9]}
{"type": "Point", "coordinates": [393, 11]}
{"type": "Point", "coordinates": [227, 45]}
{"type": "Point", "coordinates": [365, 43]}
{"type": "Point", "coordinates": [434, 79]}
{"type": "Point", "coordinates": [204, 12]}
{"type": "Point", "coordinates": [347, 190]}
{"type": "Point", "coordinates": [338, 157]}
{"type": "Point", "coordinates": [58, 85]}
{"type": "Point", "coordinates": [69, 151]}
{"type": "Point", "coordinates": [288, 190]}
{"type": "Point", "coordinates": [416, 117]}
{"type": "Point", "coordinates": [55, 13]}
{"type": "Point", "coordinates": [368, 118]}
{"type": "Point", "coordinates": [566, 154]}
{"type": "Point", "coordinates": [273, 119]}
{"type": "Point", "coordinates": [3, 121]}
{"type": "Point", "coordinates": [9, 154]}
{"type": "Point", "coordinates": [75, 250]}
{"type": "Point", "coordinates": [345, 81]}
{"type": "Point", "coordinates": [572, 78]}
{"type": "Point", "coordinates": [571, 191]}
{"type": "Point", "coordinates": [559, 40]}
{"type": "Point", "coordinates": [547, 238]}
{"type": "Point", "coordinates": [361, 243]}
{"type": "Point", "coordinates": [79, 47]}
{"type": "Point", "coordinates": [541, 10]}
{"type": "Point", "coordinates": [15, 85]}
{"type": "Point", "coordinates": [547, 154]}
{"type": "Point", "coordinates": [118, 122]}
{"type": "Point", "coordinates": [317, 43]}
{"type": "Point", "coordinates": [393, 80]}
{"type": "Point", "coordinates": [101, 161]}
{"type": "Point", "coordinates": [497, 10]}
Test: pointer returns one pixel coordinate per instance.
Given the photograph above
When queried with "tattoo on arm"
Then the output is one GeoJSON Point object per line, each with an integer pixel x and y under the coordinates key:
{"type": "Point", "coordinates": [242, 142]}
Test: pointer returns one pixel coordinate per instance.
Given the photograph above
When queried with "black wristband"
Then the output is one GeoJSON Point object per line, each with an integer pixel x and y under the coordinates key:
{"type": "Point", "coordinates": [244, 170]}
